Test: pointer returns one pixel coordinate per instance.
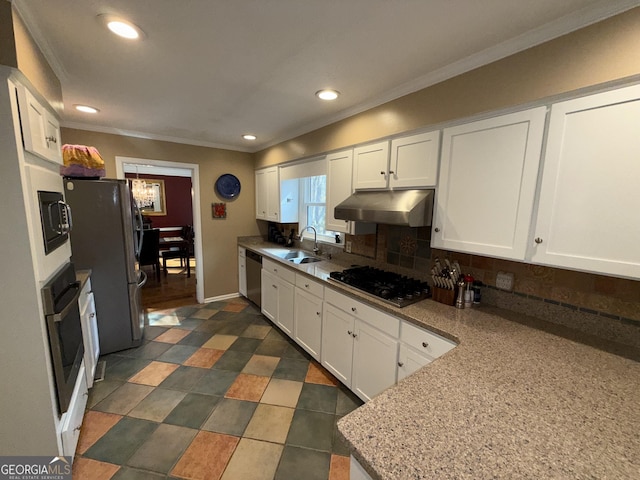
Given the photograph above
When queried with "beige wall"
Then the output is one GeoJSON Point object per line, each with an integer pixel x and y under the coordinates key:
{"type": "Point", "coordinates": [603, 52]}
{"type": "Point", "coordinates": [220, 262]}
{"type": "Point", "coordinates": [35, 67]}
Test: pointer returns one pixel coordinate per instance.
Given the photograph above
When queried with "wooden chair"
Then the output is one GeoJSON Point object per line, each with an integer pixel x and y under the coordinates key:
{"type": "Point", "coordinates": [182, 252]}
{"type": "Point", "coordinates": [150, 251]}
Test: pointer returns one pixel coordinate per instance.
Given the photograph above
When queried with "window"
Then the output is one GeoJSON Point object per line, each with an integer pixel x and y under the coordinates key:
{"type": "Point", "coordinates": [313, 207]}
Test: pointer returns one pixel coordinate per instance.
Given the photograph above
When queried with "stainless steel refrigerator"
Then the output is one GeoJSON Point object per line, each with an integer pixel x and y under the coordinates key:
{"type": "Point", "coordinates": [106, 237]}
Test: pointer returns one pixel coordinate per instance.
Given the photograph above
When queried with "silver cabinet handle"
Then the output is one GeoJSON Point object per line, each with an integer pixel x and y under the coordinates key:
{"type": "Point", "coordinates": [400, 364]}
{"type": "Point", "coordinates": [306, 285]}
{"type": "Point", "coordinates": [349, 332]}
{"type": "Point", "coordinates": [353, 309]}
{"type": "Point", "coordinates": [425, 344]}
{"type": "Point", "coordinates": [354, 335]}
{"type": "Point", "coordinates": [318, 313]}
{"type": "Point", "coordinates": [391, 172]}
{"type": "Point", "coordinates": [538, 240]}
{"type": "Point", "coordinates": [437, 229]}
{"type": "Point", "coordinates": [381, 173]}
{"type": "Point", "coordinates": [92, 314]}
{"type": "Point", "coordinates": [274, 286]}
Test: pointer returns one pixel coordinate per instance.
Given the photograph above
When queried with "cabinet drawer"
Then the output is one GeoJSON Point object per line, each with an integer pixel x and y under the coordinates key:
{"type": "Point", "coordinates": [311, 286]}
{"type": "Point", "coordinates": [277, 269]}
{"type": "Point", "coordinates": [382, 321]}
{"type": "Point", "coordinates": [424, 341]}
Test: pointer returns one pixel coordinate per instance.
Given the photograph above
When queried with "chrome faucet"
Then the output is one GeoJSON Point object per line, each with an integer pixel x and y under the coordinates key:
{"type": "Point", "coordinates": [315, 237]}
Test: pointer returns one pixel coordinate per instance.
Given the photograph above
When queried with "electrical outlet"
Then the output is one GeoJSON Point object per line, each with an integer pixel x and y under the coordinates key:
{"type": "Point", "coordinates": [347, 246]}
{"type": "Point", "coordinates": [504, 281]}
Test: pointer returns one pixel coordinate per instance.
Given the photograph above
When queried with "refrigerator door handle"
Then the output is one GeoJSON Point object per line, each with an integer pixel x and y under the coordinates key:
{"type": "Point", "coordinates": [140, 228]}
{"type": "Point", "coordinates": [142, 279]}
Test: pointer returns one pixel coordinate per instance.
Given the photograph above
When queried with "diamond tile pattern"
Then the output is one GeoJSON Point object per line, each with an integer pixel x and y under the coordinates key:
{"type": "Point", "coordinates": [215, 392]}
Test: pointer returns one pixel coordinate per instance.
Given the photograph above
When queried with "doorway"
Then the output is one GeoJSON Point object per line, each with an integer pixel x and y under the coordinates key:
{"type": "Point", "coordinates": [144, 166]}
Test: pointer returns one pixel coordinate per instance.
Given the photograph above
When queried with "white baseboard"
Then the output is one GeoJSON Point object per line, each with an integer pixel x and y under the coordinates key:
{"type": "Point", "coordinates": [222, 297]}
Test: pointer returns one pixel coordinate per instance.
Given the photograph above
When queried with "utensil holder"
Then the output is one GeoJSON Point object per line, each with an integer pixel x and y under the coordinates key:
{"type": "Point", "coordinates": [442, 295]}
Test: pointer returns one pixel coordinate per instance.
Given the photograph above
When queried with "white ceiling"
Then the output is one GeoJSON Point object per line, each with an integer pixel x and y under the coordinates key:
{"type": "Point", "coordinates": [210, 70]}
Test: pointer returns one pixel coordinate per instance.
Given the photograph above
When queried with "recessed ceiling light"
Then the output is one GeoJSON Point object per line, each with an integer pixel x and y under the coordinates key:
{"type": "Point", "coordinates": [121, 27]}
{"type": "Point", "coordinates": [86, 108]}
{"type": "Point", "coordinates": [327, 94]}
{"type": "Point", "coordinates": [249, 136]}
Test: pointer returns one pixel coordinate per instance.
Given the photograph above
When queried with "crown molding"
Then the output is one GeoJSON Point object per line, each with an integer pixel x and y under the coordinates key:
{"type": "Point", "coordinates": [152, 136]}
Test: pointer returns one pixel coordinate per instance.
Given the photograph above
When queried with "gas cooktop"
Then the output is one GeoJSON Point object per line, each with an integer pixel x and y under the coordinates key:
{"type": "Point", "coordinates": [390, 287]}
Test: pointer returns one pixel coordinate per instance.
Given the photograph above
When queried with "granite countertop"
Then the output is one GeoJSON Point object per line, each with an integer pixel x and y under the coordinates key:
{"type": "Point", "coordinates": [510, 401]}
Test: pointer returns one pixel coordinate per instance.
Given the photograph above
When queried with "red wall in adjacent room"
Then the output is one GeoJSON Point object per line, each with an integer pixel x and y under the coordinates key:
{"type": "Point", "coordinates": [177, 191]}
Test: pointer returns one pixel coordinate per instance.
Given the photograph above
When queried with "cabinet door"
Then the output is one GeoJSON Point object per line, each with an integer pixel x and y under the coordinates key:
{"type": "Point", "coordinates": [414, 161]}
{"type": "Point", "coordinates": [409, 361]}
{"type": "Point", "coordinates": [339, 177]}
{"type": "Point", "coordinates": [337, 343]}
{"type": "Point", "coordinates": [371, 165]}
{"type": "Point", "coordinates": [52, 139]}
{"type": "Point", "coordinates": [487, 183]}
{"type": "Point", "coordinates": [33, 120]}
{"type": "Point", "coordinates": [273, 194]}
{"type": "Point", "coordinates": [261, 195]}
{"type": "Point", "coordinates": [284, 317]}
{"type": "Point", "coordinates": [374, 361]}
{"type": "Point", "coordinates": [587, 215]}
{"type": "Point", "coordinates": [242, 275]}
{"type": "Point", "coordinates": [269, 295]}
{"type": "Point", "coordinates": [71, 421]}
{"type": "Point", "coordinates": [89, 333]}
{"type": "Point", "coordinates": [308, 322]}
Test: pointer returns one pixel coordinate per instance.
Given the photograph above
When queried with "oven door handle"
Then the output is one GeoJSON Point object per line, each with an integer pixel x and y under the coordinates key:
{"type": "Point", "coordinates": [58, 317]}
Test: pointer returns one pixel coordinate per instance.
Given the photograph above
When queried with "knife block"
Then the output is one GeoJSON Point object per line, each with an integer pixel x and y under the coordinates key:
{"type": "Point", "coordinates": [443, 295]}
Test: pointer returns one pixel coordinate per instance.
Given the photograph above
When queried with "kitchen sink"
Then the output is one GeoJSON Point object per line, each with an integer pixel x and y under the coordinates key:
{"type": "Point", "coordinates": [300, 260]}
{"type": "Point", "coordinates": [294, 256]}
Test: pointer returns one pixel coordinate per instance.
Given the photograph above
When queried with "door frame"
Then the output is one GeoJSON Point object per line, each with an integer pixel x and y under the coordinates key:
{"type": "Point", "coordinates": [195, 204]}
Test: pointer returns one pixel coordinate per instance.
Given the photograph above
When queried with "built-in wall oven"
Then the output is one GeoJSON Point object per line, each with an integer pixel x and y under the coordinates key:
{"type": "Point", "coordinates": [62, 314]}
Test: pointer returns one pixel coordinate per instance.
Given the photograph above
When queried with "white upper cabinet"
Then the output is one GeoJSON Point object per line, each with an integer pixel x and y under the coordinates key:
{"type": "Point", "coordinates": [40, 129]}
{"type": "Point", "coordinates": [339, 176]}
{"type": "Point", "coordinates": [339, 188]}
{"type": "Point", "coordinates": [414, 161]}
{"type": "Point", "coordinates": [370, 166]}
{"type": "Point", "coordinates": [275, 201]}
{"type": "Point", "coordinates": [589, 197]}
{"type": "Point", "coordinates": [405, 162]}
{"type": "Point", "coordinates": [487, 184]}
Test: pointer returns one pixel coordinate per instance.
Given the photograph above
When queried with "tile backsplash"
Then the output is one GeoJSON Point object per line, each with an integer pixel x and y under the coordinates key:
{"type": "Point", "coordinates": [407, 248]}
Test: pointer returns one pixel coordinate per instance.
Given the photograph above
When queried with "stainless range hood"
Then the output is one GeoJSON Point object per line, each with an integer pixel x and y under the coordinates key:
{"type": "Point", "coordinates": [413, 208]}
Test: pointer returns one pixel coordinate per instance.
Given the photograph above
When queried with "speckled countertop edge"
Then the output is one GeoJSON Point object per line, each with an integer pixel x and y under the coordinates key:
{"type": "Point", "coordinates": [509, 401]}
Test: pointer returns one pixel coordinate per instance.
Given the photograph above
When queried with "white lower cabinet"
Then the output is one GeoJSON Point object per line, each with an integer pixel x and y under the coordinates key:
{"type": "Point", "coordinates": [242, 272]}
{"type": "Point", "coordinates": [360, 355]}
{"type": "Point", "coordinates": [277, 295]}
{"type": "Point", "coordinates": [71, 421]}
{"type": "Point", "coordinates": [374, 357]}
{"type": "Point", "coordinates": [410, 360]}
{"type": "Point", "coordinates": [419, 347]}
{"type": "Point", "coordinates": [337, 343]}
{"type": "Point", "coordinates": [308, 321]}
{"type": "Point", "coordinates": [90, 338]}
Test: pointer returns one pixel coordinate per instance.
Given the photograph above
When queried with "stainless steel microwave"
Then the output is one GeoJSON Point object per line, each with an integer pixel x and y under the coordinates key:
{"type": "Point", "coordinates": [55, 216]}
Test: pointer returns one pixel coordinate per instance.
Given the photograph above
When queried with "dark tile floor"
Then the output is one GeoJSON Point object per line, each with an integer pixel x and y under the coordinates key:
{"type": "Point", "coordinates": [215, 392]}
